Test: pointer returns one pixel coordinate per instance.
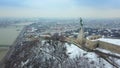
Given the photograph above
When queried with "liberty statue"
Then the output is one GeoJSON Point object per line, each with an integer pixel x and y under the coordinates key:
{"type": "Point", "coordinates": [81, 22]}
{"type": "Point", "coordinates": [80, 37]}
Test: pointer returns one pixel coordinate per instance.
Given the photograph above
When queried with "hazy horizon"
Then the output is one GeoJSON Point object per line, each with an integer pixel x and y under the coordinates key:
{"type": "Point", "coordinates": [60, 8]}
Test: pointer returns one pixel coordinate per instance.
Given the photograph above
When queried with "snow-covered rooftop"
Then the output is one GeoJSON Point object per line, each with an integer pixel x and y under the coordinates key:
{"type": "Point", "coordinates": [112, 41]}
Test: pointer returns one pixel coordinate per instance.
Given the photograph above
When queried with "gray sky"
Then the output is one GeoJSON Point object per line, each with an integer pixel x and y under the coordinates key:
{"type": "Point", "coordinates": [60, 8]}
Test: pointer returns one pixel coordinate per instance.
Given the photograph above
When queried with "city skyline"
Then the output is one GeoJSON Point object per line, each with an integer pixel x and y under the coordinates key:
{"type": "Point", "coordinates": [60, 8]}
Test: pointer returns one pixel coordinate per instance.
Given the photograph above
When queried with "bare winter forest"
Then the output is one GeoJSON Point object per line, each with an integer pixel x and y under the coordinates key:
{"type": "Point", "coordinates": [46, 54]}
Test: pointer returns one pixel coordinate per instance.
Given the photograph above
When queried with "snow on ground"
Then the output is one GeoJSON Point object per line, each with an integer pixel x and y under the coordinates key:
{"type": "Point", "coordinates": [24, 63]}
{"type": "Point", "coordinates": [74, 52]}
{"type": "Point", "coordinates": [113, 41]}
{"type": "Point", "coordinates": [107, 51]}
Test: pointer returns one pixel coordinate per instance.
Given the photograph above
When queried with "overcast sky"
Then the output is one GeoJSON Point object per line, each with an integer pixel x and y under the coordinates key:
{"type": "Point", "coordinates": [60, 8]}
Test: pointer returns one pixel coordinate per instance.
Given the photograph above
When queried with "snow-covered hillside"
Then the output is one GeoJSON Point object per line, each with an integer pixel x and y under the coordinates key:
{"type": "Point", "coordinates": [74, 52]}
{"type": "Point", "coordinates": [54, 54]}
